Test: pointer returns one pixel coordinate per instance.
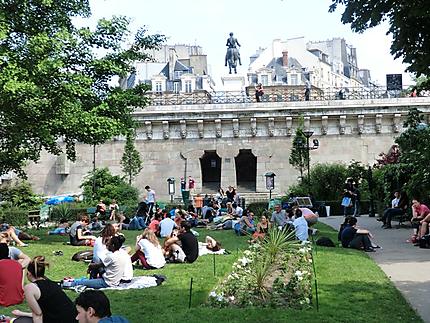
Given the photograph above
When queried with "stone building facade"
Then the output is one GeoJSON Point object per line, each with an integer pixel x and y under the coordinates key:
{"type": "Point", "coordinates": [235, 144]}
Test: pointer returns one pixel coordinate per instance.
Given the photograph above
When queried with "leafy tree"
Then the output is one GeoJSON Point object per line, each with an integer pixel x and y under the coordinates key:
{"type": "Point", "coordinates": [299, 155]}
{"type": "Point", "coordinates": [108, 187]}
{"type": "Point", "coordinates": [131, 162]}
{"type": "Point", "coordinates": [409, 25]}
{"type": "Point", "coordinates": [19, 194]}
{"type": "Point", "coordinates": [55, 79]}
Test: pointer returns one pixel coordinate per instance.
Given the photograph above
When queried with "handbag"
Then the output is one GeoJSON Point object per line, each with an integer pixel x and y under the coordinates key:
{"type": "Point", "coordinates": [346, 202]}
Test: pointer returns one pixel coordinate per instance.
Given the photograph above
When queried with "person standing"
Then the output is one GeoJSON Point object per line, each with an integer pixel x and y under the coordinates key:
{"type": "Point", "coordinates": [183, 184]}
{"type": "Point", "coordinates": [356, 200]}
{"type": "Point", "coordinates": [259, 92]}
{"type": "Point", "coordinates": [191, 184]}
{"type": "Point", "coordinates": [150, 199]}
{"type": "Point", "coordinates": [307, 90]}
{"type": "Point", "coordinates": [198, 204]}
{"type": "Point", "coordinates": [347, 200]}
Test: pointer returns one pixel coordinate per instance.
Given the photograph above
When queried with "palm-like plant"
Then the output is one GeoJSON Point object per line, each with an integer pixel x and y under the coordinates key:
{"type": "Point", "coordinates": [277, 241]}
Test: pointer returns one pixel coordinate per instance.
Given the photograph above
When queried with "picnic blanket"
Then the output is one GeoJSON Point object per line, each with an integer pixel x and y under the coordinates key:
{"type": "Point", "coordinates": [205, 251]}
{"type": "Point", "coordinates": [141, 282]}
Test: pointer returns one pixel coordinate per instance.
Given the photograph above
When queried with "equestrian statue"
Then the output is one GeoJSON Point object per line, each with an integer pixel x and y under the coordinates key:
{"type": "Point", "coordinates": [232, 57]}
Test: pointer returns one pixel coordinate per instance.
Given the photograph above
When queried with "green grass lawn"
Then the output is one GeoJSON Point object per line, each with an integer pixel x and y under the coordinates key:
{"type": "Point", "coordinates": [351, 287]}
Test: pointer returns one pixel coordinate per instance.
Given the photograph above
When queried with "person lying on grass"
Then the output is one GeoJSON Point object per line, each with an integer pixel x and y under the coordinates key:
{"type": "Point", "coordinates": [187, 251]}
{"type": "Point", "coordinates": [117, 265]}
{"type": "Point", "coordinates": [17, 235]}
{"type": "Point", "coordinates": [148, 251]}
{"type": "Point", "coordinates": [47, 301]}
{"type": "Point", "coordinates": [61, 229]}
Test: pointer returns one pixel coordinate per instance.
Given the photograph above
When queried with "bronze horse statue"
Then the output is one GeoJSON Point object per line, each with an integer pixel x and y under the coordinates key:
{"type": "Point", "coordinates": [232, 58]}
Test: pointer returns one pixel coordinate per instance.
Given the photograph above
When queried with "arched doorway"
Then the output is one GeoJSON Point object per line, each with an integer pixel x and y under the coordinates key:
{"type": "Point", "coordinates": [210, 164]}
{"type": "Point", "coordinates": [246, 170]}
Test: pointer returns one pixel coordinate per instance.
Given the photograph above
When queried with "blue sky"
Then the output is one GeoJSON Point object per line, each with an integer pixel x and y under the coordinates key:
{"type": "Point", "coordinates": [255, 23]}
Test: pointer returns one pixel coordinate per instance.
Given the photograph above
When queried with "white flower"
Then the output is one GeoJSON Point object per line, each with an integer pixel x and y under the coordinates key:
{"type": "Point", "coordinates": [231, 298]}
{"type": "Point", "coordinates": [212, 294]}
{"type": "Point", "coordinates": [298, 273]}
{"type": "Point", "coordinates": [244, 261]}
{"type": "Point", "coordinates": [220, 298]}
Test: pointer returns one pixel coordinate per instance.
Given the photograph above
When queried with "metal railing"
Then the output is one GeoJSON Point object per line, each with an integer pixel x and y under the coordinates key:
{"type": "Point", "coordinates": [275, 94]}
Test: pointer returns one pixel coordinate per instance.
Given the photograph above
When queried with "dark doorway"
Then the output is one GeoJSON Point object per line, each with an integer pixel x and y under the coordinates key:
{"type": "Point", "coordinates": [210, 164]}
{"type": "Point", "coordinates": [246, 170]}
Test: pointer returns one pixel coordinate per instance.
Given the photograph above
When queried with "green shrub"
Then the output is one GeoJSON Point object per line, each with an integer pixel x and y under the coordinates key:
{"type": "Point", "coordinates": [14, 216]}
{"type": "Point", "coordinates": [258, 208]}
{"type": "Point", "coordinates": [108, 187]}
{"type": "Point", "coordinates": [61, 211]}
{"type": "Point", "coordinates": [20, 194]}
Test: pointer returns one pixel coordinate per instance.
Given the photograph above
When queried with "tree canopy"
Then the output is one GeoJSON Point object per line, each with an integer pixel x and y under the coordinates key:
{"type": "Point", "coordinates": [55, 79]}
{"type": "Point", "coordinates": [409, 25]}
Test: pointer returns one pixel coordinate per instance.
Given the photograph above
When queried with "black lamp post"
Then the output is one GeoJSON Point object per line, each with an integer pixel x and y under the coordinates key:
{"type": "Point", "coordinates": [371, 186]}
{"type": "Point", "coordinates": [270, 183]}
{"type": "Point", "coordinates": [171, 187]}
{"type": "Point", "coordinates": [308, 134]}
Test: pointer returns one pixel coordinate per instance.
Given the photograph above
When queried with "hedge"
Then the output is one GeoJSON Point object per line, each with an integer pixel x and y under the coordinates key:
{"type": "Point", "coordinates": [14, 216]}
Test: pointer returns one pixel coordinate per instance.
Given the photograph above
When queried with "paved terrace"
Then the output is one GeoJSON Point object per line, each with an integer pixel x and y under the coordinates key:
{"type": "Point", "coordinates": [407, 266]}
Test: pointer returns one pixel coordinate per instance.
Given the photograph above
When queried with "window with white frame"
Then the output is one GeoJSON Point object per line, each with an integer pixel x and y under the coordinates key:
{"type": "Point", "coordinates": [294, 80]}
{"type": "Point", "coordinates": [188, 86]}
{"type": "Point", "coordinates": [264, 80]}
{"type": "Point", "coordinates": [176, 87]}
{"type": "Point", "coordinates": [158, 87]}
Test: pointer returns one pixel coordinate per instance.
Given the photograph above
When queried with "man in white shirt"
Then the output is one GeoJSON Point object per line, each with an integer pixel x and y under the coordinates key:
{"type": "Point", "coordinates": [118, 267]}
{"type": "Point", "coordinates": [150, 198]}
{"type": "Point", "coordinates": [238, 211]}
{"type": "Point", "coordinates": [166, 227]}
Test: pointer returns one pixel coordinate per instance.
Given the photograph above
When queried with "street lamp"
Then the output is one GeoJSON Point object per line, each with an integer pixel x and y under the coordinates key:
{"type": "Point", "coordinates": [270, 183]}
{"type": "Point", "coordinates": [171, 187]}
{"type": "Point", "coordinates": [316, 145]}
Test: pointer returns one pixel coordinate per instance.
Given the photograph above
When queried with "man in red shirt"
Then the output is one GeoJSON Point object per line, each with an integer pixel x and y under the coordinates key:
{"type": "Point", "coordinates": [11, 291]}
{"type": "Point", "coordinates": [421, 213]}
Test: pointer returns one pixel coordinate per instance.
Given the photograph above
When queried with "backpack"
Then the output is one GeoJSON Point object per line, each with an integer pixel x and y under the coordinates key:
{"type": "Point", "coordinates": [83, 255]}
{"type": "Point", "coordinates": [325, 242]}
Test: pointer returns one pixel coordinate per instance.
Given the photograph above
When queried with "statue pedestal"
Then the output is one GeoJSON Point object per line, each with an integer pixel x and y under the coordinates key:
{"type": "Point", "coordinates": [233, 83]}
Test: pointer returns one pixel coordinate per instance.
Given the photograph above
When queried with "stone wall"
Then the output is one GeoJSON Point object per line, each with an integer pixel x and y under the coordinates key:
{"type": "Point", "coordinates": [171, 138]}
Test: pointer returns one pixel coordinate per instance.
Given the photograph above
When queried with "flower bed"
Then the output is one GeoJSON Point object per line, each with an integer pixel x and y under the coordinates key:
{"type": "Point", "coordinates": [270, 273]}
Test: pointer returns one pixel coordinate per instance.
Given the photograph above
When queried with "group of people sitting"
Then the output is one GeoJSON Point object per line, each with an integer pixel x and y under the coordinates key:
{"type": "Point", "coordinates": [299, 219]}
{"type": "Point", "coordinates": [45, 298]}
{"type": "Point", "coordinates": [112, 264]}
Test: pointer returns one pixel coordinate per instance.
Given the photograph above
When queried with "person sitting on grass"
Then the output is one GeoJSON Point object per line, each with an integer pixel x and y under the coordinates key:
{"type": "Point", "coordinates": [188, 251]}
{"type": "Point", "coordinates": [79, 235]}
{"type": "Point", "coordinates": [93, 306]}
{"type": "Point", "coordinates": [100, 249]}
{"type": "Point", "coordinates": [15, 253]}
{"type": "Point", "coordinates": [166, 226]}
{"type": "Point", "coordinates": [154, 226]}
{"type": "Point", "coordinates": [245, 224]}
{"type": "Point", "coordinates": [148, 251]}
{"type": "Point", "coordinates": [262, 229]}
{"type": "Point", "coordinates": [47, 301]}
{"type": "Point", "coordinates": [61, 229]}
{"type": "Point", "coordinates": [355, 238]}
{"type": "Point", "coordinates": [11, 279]}
{"type": "Point", "coordinates": [279, 217]}
{"type": "Point", "coordinates": [300, 226]}
{"type": "Point", "coordinates": [117, 264]}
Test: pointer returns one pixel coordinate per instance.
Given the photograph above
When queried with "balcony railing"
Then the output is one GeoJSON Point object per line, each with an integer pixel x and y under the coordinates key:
{"type": "Point", "coordinates": [275, 94]}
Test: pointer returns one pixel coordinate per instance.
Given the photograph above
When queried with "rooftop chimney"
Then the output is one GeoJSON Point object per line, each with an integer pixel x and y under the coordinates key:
{"type": "Point", "coordinates": [285, 58]}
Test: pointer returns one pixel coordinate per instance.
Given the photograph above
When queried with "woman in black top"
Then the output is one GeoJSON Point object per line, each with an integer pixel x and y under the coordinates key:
{"type": "Point", "coordinates": [46, 299]}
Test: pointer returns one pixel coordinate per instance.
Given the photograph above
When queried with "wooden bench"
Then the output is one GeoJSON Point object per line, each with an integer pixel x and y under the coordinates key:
{"type": "Point", "coordinates": [34, 216]}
